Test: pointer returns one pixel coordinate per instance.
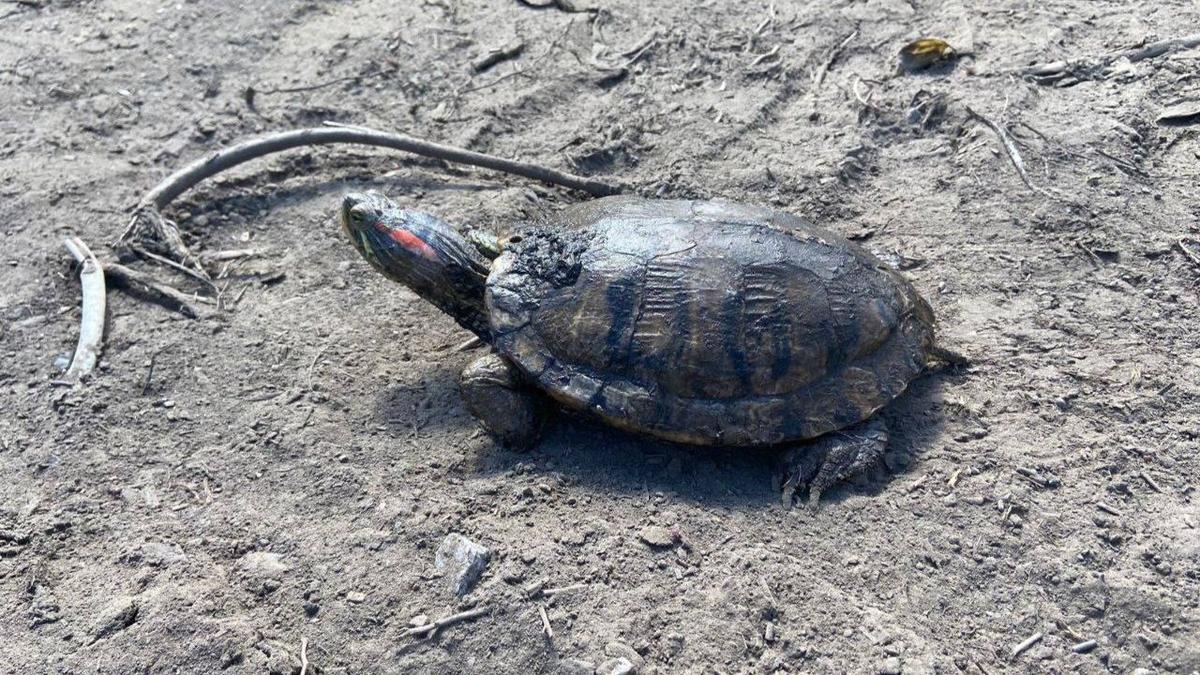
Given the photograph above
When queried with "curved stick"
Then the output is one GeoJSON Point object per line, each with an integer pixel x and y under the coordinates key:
{"type": "Point", "coordinates": [181, 180]}
{"type": "Point", "coordinates": [149, 224]}
{"type": "Point", "coordinates": [91, 322]}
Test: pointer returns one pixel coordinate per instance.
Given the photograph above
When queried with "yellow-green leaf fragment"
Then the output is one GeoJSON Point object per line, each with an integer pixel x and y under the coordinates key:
{"type": "Point", "coordinates": [920, 54]}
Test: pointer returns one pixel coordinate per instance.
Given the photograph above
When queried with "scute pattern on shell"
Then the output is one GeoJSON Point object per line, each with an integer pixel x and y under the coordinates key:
{"type": "Point", "coordinates": [708, 322]}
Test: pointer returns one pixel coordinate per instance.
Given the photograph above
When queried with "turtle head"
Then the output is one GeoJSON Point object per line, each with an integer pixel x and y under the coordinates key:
{"type": "Point", "coordinates": [422, 252]}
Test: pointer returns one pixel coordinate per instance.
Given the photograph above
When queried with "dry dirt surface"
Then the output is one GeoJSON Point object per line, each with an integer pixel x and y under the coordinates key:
{"type": "Point", "coordinates": [268, 484]}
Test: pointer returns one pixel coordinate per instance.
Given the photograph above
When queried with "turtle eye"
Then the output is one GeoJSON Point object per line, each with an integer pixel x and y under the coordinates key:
{"type": "Point", "coordinates": [358, 214]}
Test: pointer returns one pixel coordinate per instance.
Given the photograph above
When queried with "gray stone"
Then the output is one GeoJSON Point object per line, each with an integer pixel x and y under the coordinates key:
{"type": "Point", "coordinates": [462, 560]}
{"type": "Point", "coordinates": [576, 667]}
{"type": "Point", "coordinates": [622, 650]}
{"type": "Point", "coordinates": [616, 666]}
{"type": "Point", "coordinates": [264, 565]}
{"type": "Point", "coordinates": [657, 536]}
{"type": "Point", "coordinates": [891, 666]}
{"type": "Point", "coordinates": [116, 616]}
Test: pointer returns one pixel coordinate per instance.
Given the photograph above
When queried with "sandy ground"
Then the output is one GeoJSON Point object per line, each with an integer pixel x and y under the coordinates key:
{"type": "Point", "coordinates": [226, 489]}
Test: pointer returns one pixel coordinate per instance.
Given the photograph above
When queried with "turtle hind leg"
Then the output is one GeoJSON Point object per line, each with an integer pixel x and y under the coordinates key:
{"type": "Point", "coordinates": [505, 405]}
{"type": "Point", "coordinates": [938, 353]}
{"type": "Point", "coordinates": [823, 463]}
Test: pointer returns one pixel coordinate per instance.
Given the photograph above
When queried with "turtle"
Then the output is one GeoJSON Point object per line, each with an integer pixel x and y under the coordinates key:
{"type": "Point", "coordinates": [701, 322]}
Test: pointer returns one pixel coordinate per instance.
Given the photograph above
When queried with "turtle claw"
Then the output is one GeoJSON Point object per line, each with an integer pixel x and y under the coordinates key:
{"type": "Point", "coordinates": [818, 466]}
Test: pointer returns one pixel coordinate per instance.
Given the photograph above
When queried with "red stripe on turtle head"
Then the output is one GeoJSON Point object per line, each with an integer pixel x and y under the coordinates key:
{"type": "Point", "coordinates": [411, 242]}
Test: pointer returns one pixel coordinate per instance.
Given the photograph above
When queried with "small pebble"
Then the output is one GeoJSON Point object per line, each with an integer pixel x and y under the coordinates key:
{"type": "Point", "coordinates": [576, 667]}
{"type": "Point", "coordinates": [616, 666]}
{"type": "Point", "coordinates": [891, 666]}
{"type": "Point", "coordinates": [656, 536]}
{"type": "Point", "coordinates": [622, 650]}
{"type": "Point", "coordinates": [356, 597]}
{"type": "Point", "coordinates": [463, 560]}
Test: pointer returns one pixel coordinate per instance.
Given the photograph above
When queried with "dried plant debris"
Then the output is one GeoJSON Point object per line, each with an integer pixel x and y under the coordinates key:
{"type": "Point", "coordinates": [924, 53]}
{"type": "Point", "coordinates": [1180, 115]}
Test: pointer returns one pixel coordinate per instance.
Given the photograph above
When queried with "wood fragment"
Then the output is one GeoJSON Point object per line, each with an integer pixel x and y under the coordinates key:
{"type": "Point", "coordinates": [1150, 481]}
{"type": "Point", "coordinates": [1026, 644]}
{"type": "Point", "coordinates": [431, 628]}
{"type": "Point", "coordinates": [231, 254]}
{"type": "Point", "coordinates": [303, 656]}
{"type": "Point", "coordinates": [954, 477]}
{"type": "Point", "coordinates": [199, 273]}
{"type": "Point", "coordinates": [497, 55]}
{"type": "Point", "coordinates": [567, 6]}
{"type": "Point", "coordinates": [1058, 69]}
{"type": "Point", "coordinates": [93, 312]}
{"type": "Point", "coordinates": [1010, 148]}
{"type": "Point", "coordinates": [1083, 647]}
{"type": "Point", "coordinates": [149, 224]}
{"type": "Point", "coordinates": [546, 629]}
{"type": "Point", "coordinates": [1108, 509]}
{"type": "Point", "coordinates": [147, 288]}
{"type": "Point", "coordinates": [474, 343]}
{"type": "Point", "coordinates": [1187, 251]}
{"type": "Point", "coordinates": [551, 592]}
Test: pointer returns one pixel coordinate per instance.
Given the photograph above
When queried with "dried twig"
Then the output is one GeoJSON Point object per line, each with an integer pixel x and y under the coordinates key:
{"type": "Point", "coordinates": [561, 5]}
{"type": "Point", "coordinates": [148, 222]}
{"type": "Point", "coordinates": [231, 254]}
{"type": "Point", "coordinates": [549, 632]}
{"type": "Point", "coordinates": [1058, 69]}
{"type": "Point", "coordinates": [431, 628]}
{"type": "Point", "coordinates": [91, 322]}
{"type": "Point", "coordinates": [818, 78]}
{"type": "Point", "coordinates": [551, 592]}
{"type": "Point", "coordinates": [1026, 644]}
{"type": "Point", "coordinates": [303, 656]}
{"type": "Point", "coordinates": [200, 274]}
{"type": "Point", "coordinates": [493, 56]}
{"type": "Point", "coordinates": [469, 344]}
{"type": "Point", "coordinates": [1187, 251]}
{"type": "Point", "coordinates": [143, 286]}
{"type": "Point", "coordinates": [1010, 148]}
{"type": "Point", "coordinates": [1150, 481]}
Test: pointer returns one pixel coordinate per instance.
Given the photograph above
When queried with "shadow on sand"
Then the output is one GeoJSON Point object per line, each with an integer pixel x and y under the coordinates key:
{"type": "Point", "coordinates": [606, 459]}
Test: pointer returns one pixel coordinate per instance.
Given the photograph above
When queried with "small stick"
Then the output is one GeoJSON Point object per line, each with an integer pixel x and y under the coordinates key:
{"type": "Point", "coordinates": [493, 56]}
{"type": "Point", "coordinates": [819, 77]}
{"type": "Point", "coordinates": [91, 321]}
{"type": "Point", "coordinates": [147, 218]}
{"type": "Point", "coordinates": [1152, 50]}
{"type": "Point", "coordinates": [1084, 647]}
{"type": "Point", "coordinates": [1029, 642]}
{"type": "Point", "coordinates": [1192, 255]}
{"type": "Point", "coordinates": [545, 622]}
{"type": "Point", "coordinates": [231, 254]}
{"type": "Point", "coordinates": [1010, 148]}
{"type": "Point", "coordinates": [562, 5]}
{"type": "Point", "coordinates": [551, 592]}
{"type": "Point", "coordinates": [199, 274]}
{"type": "Point", "coordinates": [151, 290]}
{"type": "Point", "coordinates": [1150, 481]}
{"type": "Point", "coordinates": [763, 57]}
{"type": "Point", "coordinates": [433, 627]}
{"type": "Point", "coordinates": [469, 344]}
{"type": "Point", "coordinates": [149, 374]}
{"type": "Point", "coordinates": [303, 656]}
{"type": "Point", "coordinates": [1108, 509]}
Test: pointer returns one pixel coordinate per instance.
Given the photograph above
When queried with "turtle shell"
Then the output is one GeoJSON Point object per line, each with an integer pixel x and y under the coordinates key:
{"type": "Point", "coordinates": [706, 322]}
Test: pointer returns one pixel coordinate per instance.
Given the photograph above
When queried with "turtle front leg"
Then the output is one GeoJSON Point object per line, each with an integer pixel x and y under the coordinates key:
{"type": "Point", "coordinates": [497, 395]}
{"type": "Point", "coordinates": [832, 458]}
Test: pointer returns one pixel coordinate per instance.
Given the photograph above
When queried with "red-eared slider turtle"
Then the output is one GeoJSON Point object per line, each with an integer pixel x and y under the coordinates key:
{"type": "Point", "coordinates": [701, 322]}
